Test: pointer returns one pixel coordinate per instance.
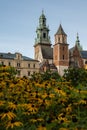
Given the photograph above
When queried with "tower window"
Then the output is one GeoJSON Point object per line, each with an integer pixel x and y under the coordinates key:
{"type": "Point", "coordinates": [63, 39]}
{"type": "Point", "coordinates": [43, 21]}
{"type": "Point", "coordinates": [44, 35]}
{"type": "Point", "coordinates": [59, 39]}
{"type": "Point", "coordinates": [63, 57]}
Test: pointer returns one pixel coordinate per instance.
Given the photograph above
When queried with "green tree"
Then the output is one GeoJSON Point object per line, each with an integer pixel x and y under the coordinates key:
{"type": "Point", "coordinates": [76, 76]}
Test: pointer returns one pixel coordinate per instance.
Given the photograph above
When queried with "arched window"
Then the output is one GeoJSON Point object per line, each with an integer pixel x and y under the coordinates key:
{"type": "Point", "coordinates": [44, 35]}
{"type": "Point", "coordinates": [43, 21]}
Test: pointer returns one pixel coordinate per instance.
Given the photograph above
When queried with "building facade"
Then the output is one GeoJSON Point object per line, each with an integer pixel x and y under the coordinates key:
{"type": "Point", "coordinates": [25, 66]}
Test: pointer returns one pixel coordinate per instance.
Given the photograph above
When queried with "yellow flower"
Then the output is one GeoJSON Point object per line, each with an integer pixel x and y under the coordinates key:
{"type": "Point", "coordinates": [9, 115]}
{"type": "Point", "coordinates": [52, 95]}
{"type": "Point", "coordinates": [69, 108]}
{"type": "Point", "coordinates": [33, 120]}
{"type": "Point", "coordinates": [44, 95]}
{"type": "Point", "coordinates": [48, 102]}
{"type": "Point", "coordinates": [12, 106]}
{"type": "Point", "coordinates": [82, 102]}
{"type": "Point", "coordinates": [41, 128]}
{"type": "Point", "coordinates": [12, 125]}
{"type": "Point", "coordinates": [63, 129]}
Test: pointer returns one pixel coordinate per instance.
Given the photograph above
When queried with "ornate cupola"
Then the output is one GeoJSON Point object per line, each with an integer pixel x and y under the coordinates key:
{"type": "Point", "coordinates": [42, 31]}
{"type": "Point", "coordinates": [78, 43]}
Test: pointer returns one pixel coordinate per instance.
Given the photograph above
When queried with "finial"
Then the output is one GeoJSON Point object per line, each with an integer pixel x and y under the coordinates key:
{"type": "Point", "coordinates": [77, 37]}
{"type": "Point", "coordinates": [42, 11]}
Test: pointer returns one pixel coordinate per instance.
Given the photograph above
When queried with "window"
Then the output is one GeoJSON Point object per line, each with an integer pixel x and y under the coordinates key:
{"type": "Point", "coordinates": [18, 64]}
{"type": "Point", "coordinates": [33, 72]}
{"type": "Point", "coordinates": [43, 21]}
{"type": "Point", "coordinates": [59, 39]}
{"type": "Point", "coordinates": [9, 63]}
{"type": "Point", "coordinates": [28, 73]}
{"type": "Point", "coordinates": [28, 65]}
{"type": "Point", "coordinates": [63, 39]}
{"type": "Point", "coordinates": [63, 57]}
{"type": "Point", "coordinates": [33, 65]}
{"type": "Point", "coordinates": [44, 35]}
{"type": "Point", "coordinates": [85, 62]}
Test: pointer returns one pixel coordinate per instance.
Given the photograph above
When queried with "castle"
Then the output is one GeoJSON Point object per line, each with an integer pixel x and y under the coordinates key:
{"type": "Point", "coordinates": [56, 58]}
{"type": "Point", "coordinates": [60, 57]}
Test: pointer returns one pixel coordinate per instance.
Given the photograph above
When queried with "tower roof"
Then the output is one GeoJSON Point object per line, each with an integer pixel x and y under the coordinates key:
{"type": "Point", "coordinates": [60, 31]}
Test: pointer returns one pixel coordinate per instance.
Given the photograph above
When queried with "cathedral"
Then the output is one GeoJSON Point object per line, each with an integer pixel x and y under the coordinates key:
{"type": "Point", "coordinates": [59, 57]}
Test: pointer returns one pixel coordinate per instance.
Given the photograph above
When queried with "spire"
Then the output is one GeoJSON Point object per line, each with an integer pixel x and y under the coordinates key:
{"type": "Point", "coordinates": [77, 39]}
{"type": "Point", "coordinates": [78, 42]}
{"type": "Point", "coordinates": [60, 31]}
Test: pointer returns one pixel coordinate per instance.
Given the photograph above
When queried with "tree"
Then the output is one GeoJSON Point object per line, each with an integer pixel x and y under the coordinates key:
{"type": "Point", "coordinates": [76, 76]}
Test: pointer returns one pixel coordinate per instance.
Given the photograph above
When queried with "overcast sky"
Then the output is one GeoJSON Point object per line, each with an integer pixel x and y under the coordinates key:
{"type": "Point", "coordinates": [19, 20]}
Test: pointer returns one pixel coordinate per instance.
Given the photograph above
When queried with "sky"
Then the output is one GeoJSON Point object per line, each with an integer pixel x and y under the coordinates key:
{"type": "Point", "coordinates": [20, 18]}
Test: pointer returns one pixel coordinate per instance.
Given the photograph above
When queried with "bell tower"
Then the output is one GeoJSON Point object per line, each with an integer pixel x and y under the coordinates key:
{"type": "Point", "coordinates": [42, 40]}
{"type": "Point", "coordinates": [60, 51]}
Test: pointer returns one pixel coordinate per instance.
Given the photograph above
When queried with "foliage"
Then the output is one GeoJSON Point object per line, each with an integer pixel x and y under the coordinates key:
{"type": "Point", "coordinates": [27, 104]}
{"type": "Point", "coordinates": [48, 75]}
{"type": "Point", "coordinates": [76, 76]}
